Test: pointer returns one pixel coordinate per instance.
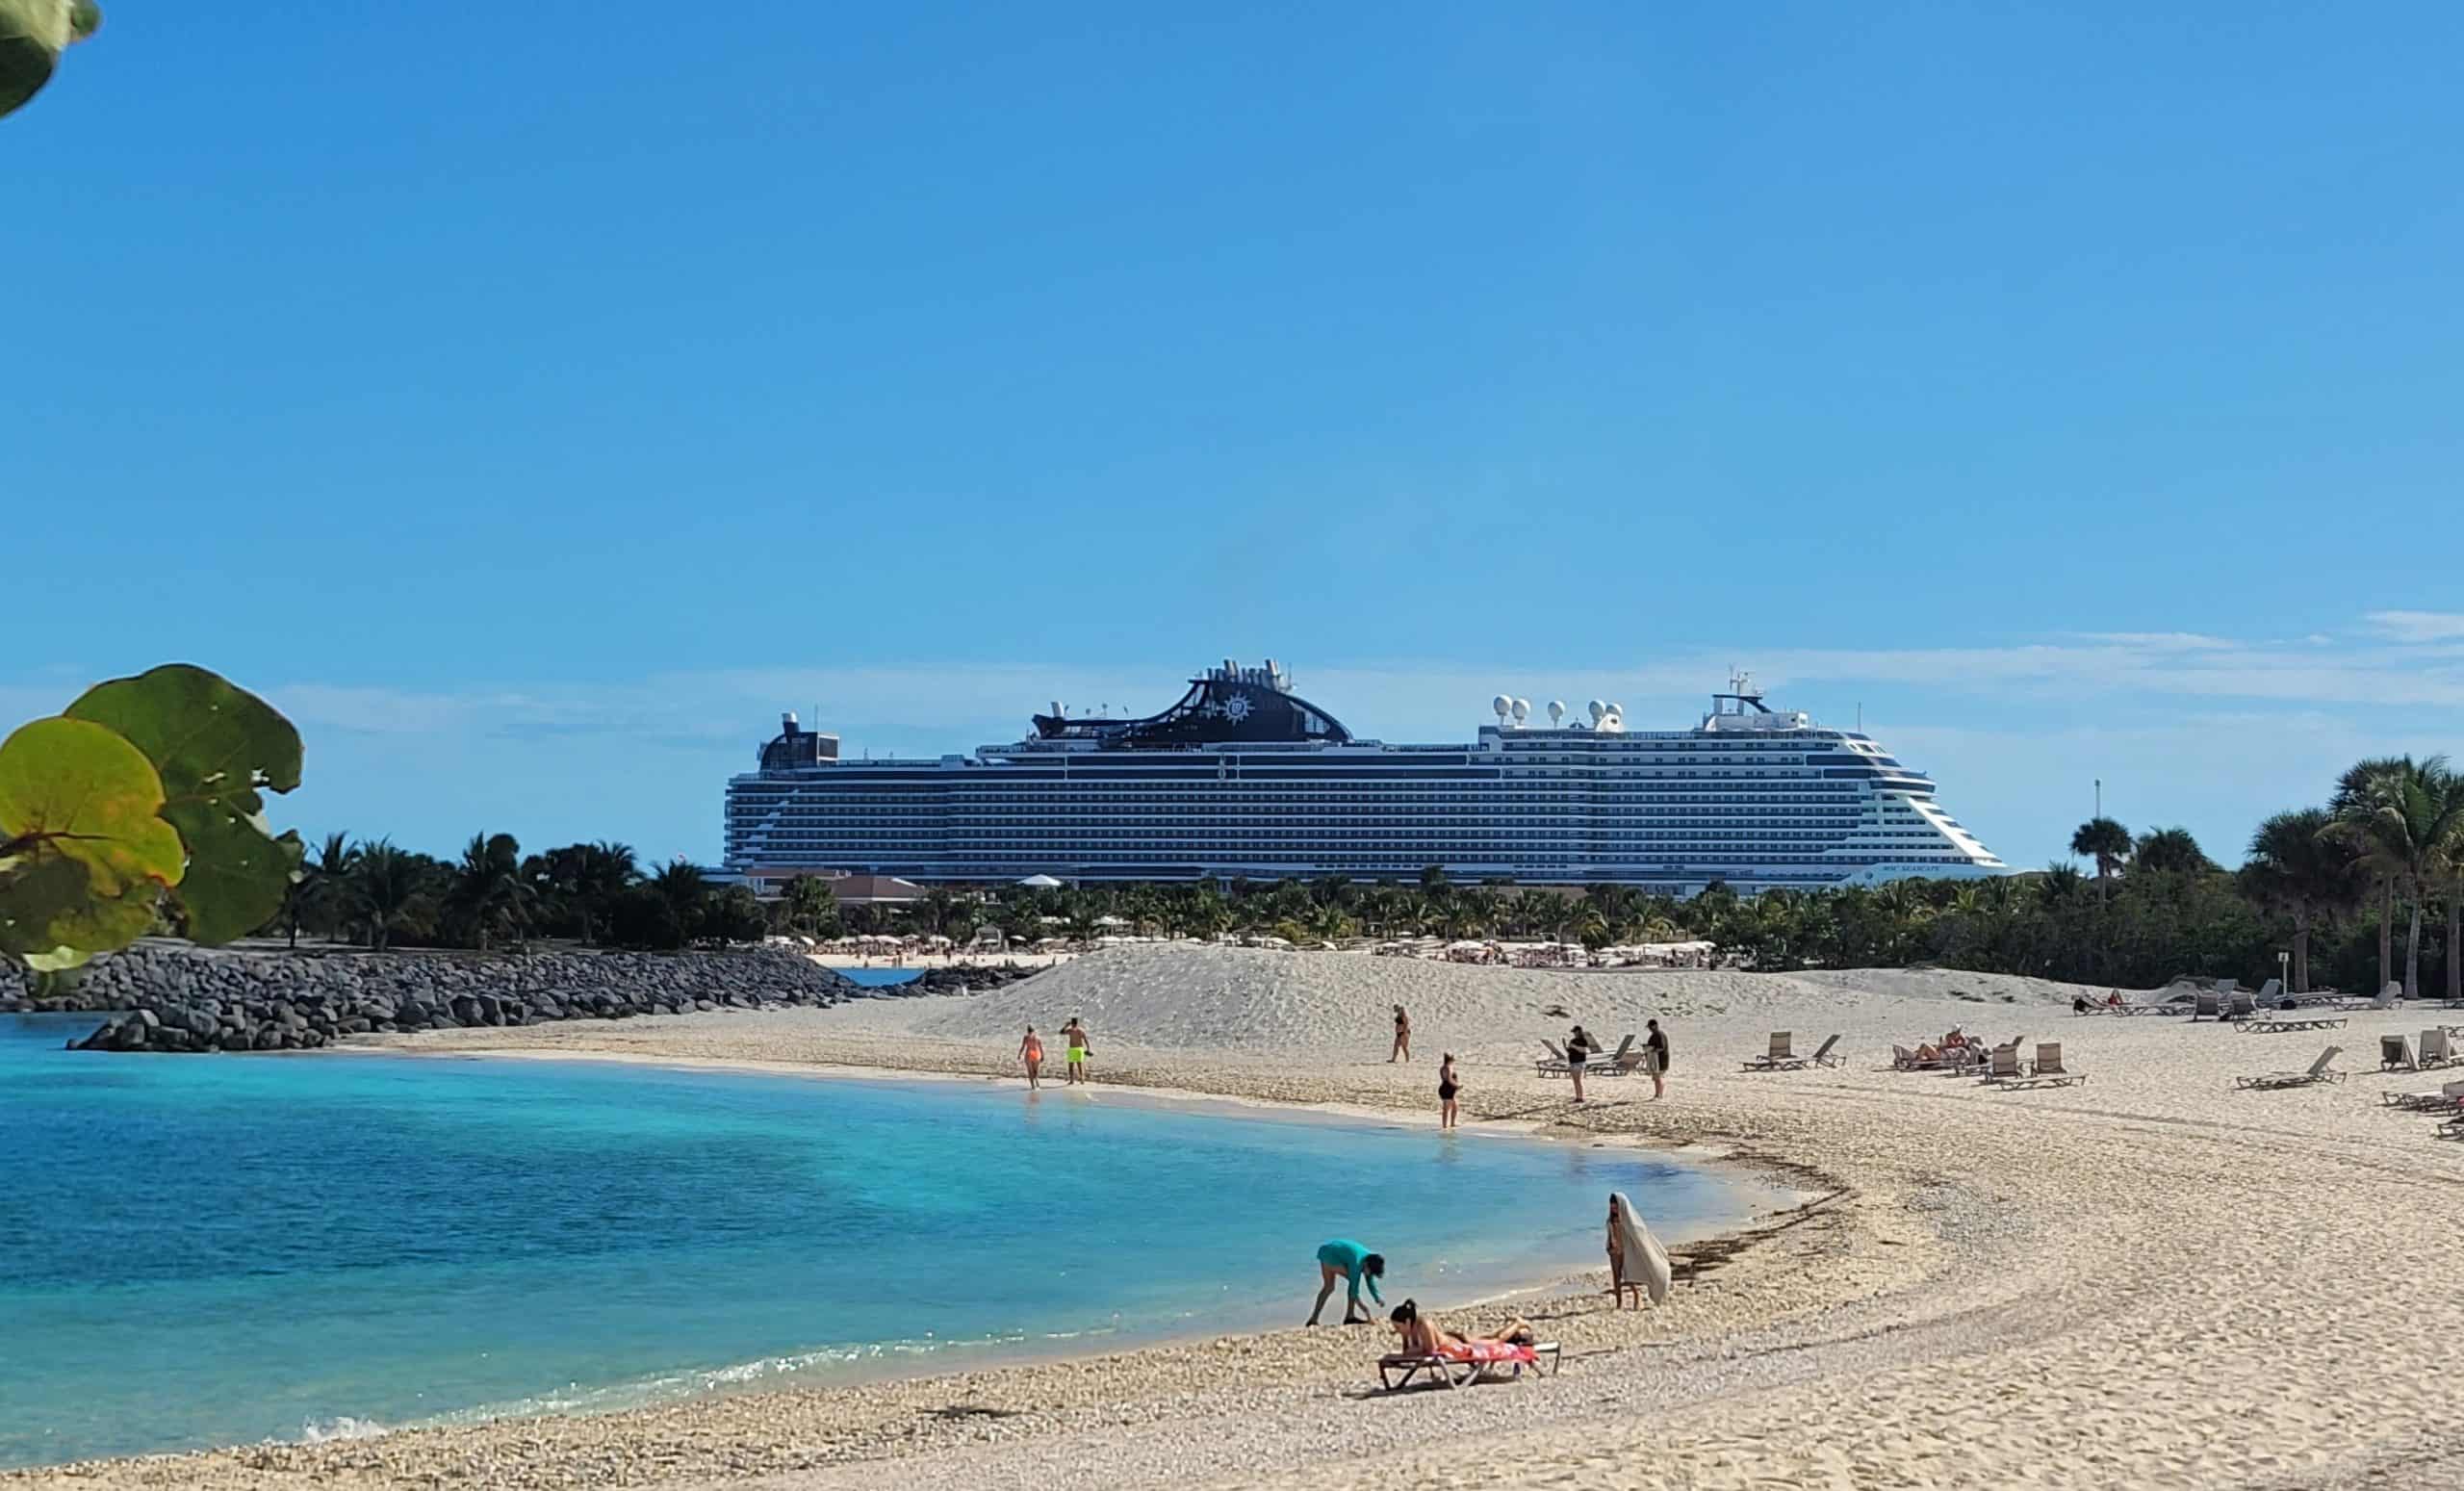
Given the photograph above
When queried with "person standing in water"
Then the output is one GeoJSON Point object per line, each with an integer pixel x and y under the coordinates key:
{"type": "Point", "coordinates": [1655, 1057]}
{"type": "Point", "coordinates": [1074, 1038]}
{"type": "Point", "coordinates": [1447, 1087]}
{"type": "Point", "coordinates": [1346, 1259]}
{"type": "Point", "coordinates": [1031, 1052]}
{"type": "Point", "coordinates": [1402, 1038]}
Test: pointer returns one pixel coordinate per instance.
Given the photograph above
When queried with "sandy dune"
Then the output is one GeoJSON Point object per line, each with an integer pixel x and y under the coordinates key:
{"type": "Point", "coordinates": [2151, 1280]}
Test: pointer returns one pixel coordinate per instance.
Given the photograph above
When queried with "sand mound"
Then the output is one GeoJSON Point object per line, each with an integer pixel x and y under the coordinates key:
{"type": "Point", "coordinates": [1231, 999]}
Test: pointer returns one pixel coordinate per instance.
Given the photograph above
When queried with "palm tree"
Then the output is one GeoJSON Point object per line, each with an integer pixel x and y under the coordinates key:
{"type": "Point", "coordinates": [2450, 885]}
{"type": "Point", "coordinates": [2352, 789]}
{"type": "Point", "coordinates": [317, 895]}
{"type": "Point", "coordinates": [2104, 842]}
{"type": "Point", "coordinates": [2170, 850]}
{"type": "Point", "coordinates": [808, 905]}
{"type": "Point", "coordinates": [487, 893]}
{"type": "Point", "coordinates": [2297, 865]}
{"type": "Point", "coordinates": [939, 908]}
{"type": "Point", "coordinates": [387, 888]}
{"type": "Point", "coordinates": [680, 884]}
{"type": "Point", "coordinates": [1589, 926]}
{"type": "Point", "coordinates": [2407, 820]}
{"type": "Point", "coordinates": [1329, 924]}
{"type": "Point", "coordinates": [2062, 882]}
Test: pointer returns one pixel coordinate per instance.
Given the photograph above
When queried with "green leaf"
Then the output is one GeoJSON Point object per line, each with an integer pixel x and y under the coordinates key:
{"type": "Point", "coordinates": [76, 789]}
{"type": "Point", "coordinates": [238, 874]}
{"type": "Point", "coordinates": [209, 737]}
{"type": "Point", "coordinates": [216, 744]}
{"type": "Point", "coordinates": [33, 34]}
{"type": "Point", "coordinates": [52, 920]}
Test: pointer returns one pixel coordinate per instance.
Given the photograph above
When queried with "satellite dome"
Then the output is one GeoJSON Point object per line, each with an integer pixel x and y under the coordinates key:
{"type": "Point", "coordinates": [1617, 709]}
{"type": "Point", "coordinates": [1556, 711]}
{"type": "Point", "coordinates": [1501, 704]}
{"type": "Point", "coordinates": [1597, 710]}
{"type": "Point", "coordinates": [1522, 710]}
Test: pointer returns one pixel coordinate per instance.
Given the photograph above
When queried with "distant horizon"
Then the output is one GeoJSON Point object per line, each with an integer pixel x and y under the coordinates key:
{"type": "Point", "coordinates": [2185, 729]}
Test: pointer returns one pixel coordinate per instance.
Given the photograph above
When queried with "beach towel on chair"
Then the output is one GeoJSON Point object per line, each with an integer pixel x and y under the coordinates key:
{"type": "Point", "coordinates": [1489, 1353]}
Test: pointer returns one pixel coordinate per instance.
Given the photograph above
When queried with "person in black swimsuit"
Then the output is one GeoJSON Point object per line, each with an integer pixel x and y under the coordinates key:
{"type": "Point", "coordinates": [1402, 1051]}
{"type": "Point", "coordinates": [1577, 1052]}
{"type": "Point", "coordinates": [1655, 1057]}
{"type": "Point", "coordinates": [1447, 1087]}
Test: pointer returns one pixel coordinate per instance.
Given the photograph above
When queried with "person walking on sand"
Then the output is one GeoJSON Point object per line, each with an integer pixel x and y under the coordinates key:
{"type": "Point", "coordinates": [1402, 1038]}
{"type": "Point", "coordinates": [1031, 1052]}
{"type": "Point", "coordinates": [1074, 1038]}
{"type": "Point", "coordinates": [1655, 1057]}
{"type": "Point", "coordinates": [1447, 1087]}
{"type": "Point", "coordinates": [1346, 1259]}
{"type": "Point", "coordinates": [1577, 1052]}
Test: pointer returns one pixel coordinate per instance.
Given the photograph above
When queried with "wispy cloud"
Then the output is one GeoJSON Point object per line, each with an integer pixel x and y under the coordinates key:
{"type": "Point", "coordinates": [2419, 626]}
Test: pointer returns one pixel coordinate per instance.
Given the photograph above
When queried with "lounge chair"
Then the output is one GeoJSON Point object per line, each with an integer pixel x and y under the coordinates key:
{"type": "Point", "coordinates": [2210, 1007]}
{"type": "Point", "coordinates": [2316, 1074]}
{"type": "Point", "coordinates": [2003, 1066]}
{"type": "Point", "coordinates": [2047, 1071]}
{"type": "Point", "coordinates": [2448, 1097]}
{"type": "Point", "coordinates": [1555, 1063]}
{"type": "Point", "coordinates": [2437, 1049]}
{"type": "Point", "coordinates": [2389, 998]}
{"type": "Point", "coordinates": [1822, 1056]}
{"type": "Point", "coordinates": [2271, 994]}
{"type": "Point", "coordinates": [1620, 1062]}
{"type": "Point", "coordinates": [1461, 1367]}
{"type": "Point", "coordinates": [1778, 1057]}
{"type": "Point", "coordinates": [2396, 1054]}
{"type": "Point", "coordinates": [2241, 1007]}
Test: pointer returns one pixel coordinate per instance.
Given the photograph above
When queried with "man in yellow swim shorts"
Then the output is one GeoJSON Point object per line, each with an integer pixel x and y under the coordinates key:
{"type": "Point", "coordinates": [1073, 1036]}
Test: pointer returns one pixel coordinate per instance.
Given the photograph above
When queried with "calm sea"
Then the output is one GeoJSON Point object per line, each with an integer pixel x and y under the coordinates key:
{"type": "Point", "coordinates": [200, 1250]}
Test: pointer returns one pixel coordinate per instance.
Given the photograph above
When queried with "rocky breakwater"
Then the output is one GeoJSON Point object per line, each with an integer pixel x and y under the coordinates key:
{"type": "Point", "coordinates": [964, 978]}
{"type": "Point", "coordinates": [178, 1000]}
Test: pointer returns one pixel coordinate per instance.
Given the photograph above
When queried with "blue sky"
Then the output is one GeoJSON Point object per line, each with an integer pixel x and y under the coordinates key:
{"type": "Point", "coordinates": [536, 409]}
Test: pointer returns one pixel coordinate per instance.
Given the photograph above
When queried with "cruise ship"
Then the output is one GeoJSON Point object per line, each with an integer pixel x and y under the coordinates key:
{"type": "Point", "coordinates": [1245, 777]}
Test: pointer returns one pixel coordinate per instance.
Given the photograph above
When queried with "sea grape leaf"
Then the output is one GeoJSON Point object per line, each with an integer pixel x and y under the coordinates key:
{"type": "Point", "coordinates": [208, 736]}
{"type": "Point", "coordinates": [76, 789]}
{"type": "Point", "coordinates": [238, 873]}
{"type": "Point", "coordinates": [33, 34]}
{"type": "Point", "coordinates": [215, 745]}
{"type": "Point", "coordinates": [51, 918]}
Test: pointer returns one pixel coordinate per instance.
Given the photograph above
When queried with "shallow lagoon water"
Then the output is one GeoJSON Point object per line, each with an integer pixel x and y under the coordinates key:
{"type": "Point", "coordinates": [208, 1251]}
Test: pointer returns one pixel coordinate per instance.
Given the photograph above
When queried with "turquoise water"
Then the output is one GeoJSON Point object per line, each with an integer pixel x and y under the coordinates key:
{"type": "Point", "coordinates": [198, 1250]}
{"type": "Point", "coordinates": [879, 978]}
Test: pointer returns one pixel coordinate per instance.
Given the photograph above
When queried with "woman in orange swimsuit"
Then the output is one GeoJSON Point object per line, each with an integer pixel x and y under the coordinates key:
{"type": "Point", "coordinates": [1031, 1052]}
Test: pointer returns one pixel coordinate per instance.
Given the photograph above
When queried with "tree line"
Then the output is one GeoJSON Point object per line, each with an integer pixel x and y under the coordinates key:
{"type": "Point", "coordinates": [379, 895]}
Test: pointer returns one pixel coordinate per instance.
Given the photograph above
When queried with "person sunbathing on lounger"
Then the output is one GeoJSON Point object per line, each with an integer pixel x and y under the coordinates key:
{"type": "Point", "coordinates": [1422, 1336]}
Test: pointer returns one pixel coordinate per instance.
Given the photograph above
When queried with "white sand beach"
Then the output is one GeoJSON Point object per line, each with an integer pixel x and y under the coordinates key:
{"type": "Point", "coordinates": [2149, 1280]}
